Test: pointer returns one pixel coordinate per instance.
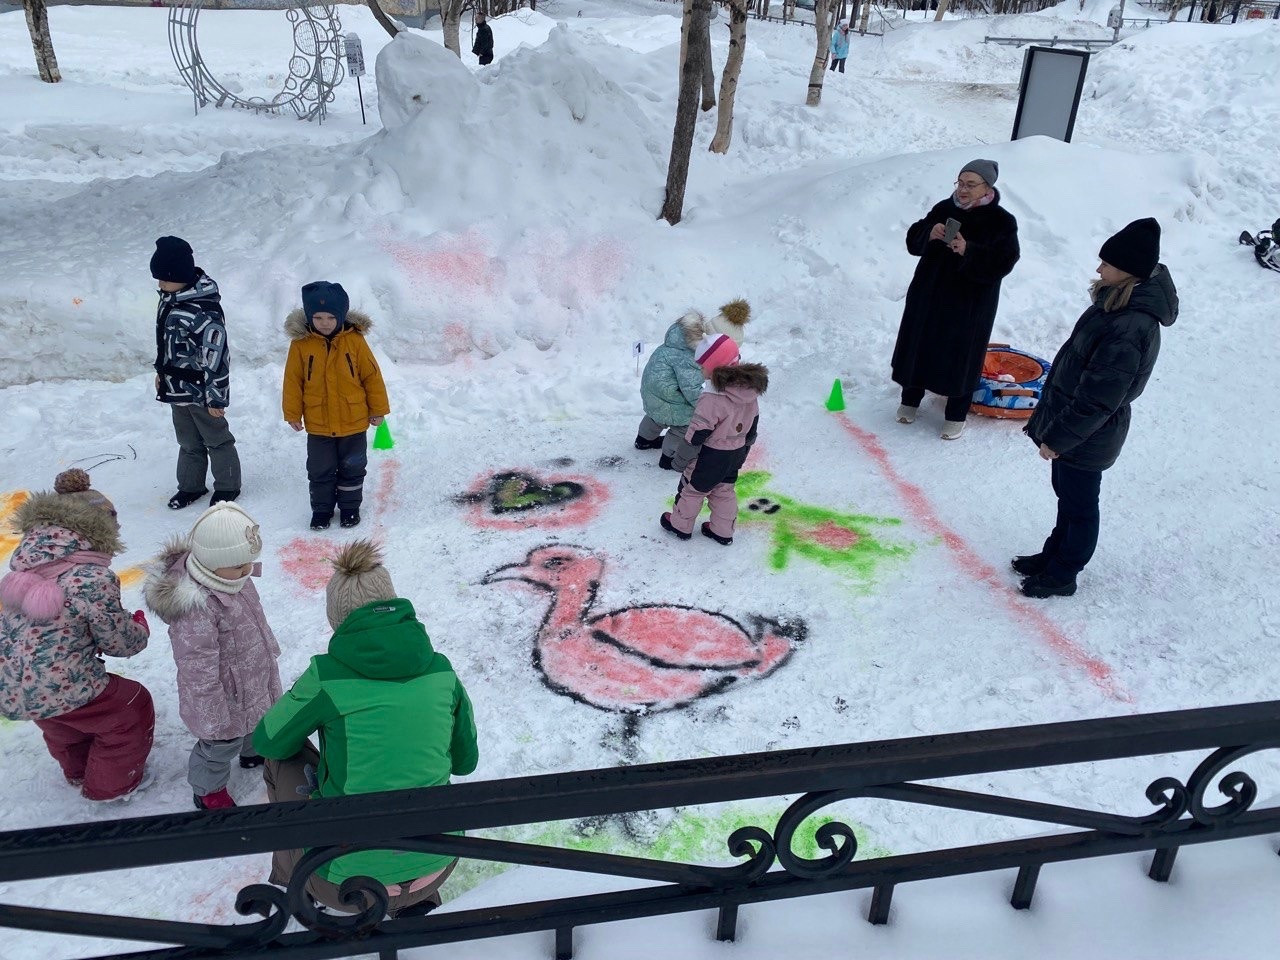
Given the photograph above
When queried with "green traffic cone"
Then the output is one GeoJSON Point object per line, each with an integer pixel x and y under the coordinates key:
{"type": "Point", "coordinates": [382, 438]}
{"type": "Point", "coordinates": [835, 402]}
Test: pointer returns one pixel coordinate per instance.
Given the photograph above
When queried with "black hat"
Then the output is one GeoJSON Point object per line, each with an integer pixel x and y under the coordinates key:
{"type": "Point", "coordinates": [1135, 249]}
{"type": "Point", "coordinates": [325, 297]}
{"type": "Point", "coordinates": [173, 261]}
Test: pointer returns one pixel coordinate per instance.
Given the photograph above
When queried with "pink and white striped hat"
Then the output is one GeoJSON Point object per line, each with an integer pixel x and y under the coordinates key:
{"type": "Point", "coordinates": [717, 350]}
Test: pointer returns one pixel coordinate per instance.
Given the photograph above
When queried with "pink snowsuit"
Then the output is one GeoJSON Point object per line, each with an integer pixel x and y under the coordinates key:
{"type": "Point", "coordinates": [724, 424]}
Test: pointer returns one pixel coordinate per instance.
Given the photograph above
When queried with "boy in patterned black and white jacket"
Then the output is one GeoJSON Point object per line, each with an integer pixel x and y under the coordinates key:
{"type": "Point", "coordinates": [193, 373]}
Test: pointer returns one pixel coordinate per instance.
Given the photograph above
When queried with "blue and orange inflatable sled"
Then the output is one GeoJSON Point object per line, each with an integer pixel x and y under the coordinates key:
{"type": "Point", "coordinates": [1011, 383]}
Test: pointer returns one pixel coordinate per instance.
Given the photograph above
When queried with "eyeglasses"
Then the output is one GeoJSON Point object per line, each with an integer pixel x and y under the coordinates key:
{"type": "Point", "coordinates": [970, 184]}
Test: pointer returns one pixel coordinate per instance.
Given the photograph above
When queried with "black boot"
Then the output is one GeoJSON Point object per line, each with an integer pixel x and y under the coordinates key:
{"type": "Point", "coordinates": [1030, 565]}
{"type": "Point", "coordinates": [185, 498]}
{"type": "Point", "coordinates": [666, 525]}
{"type": "Point", "coordinates": [1042, 585]}
{"type": "Point", "coordinates": [321, 521]}
{"type": "Point", "coordinates": [643, 444]}
{"type": "Point", "coordinates": [665, 463]}
{"type": "Point", "coordinates": [249, 763]}
{"type": "Point", "coordinates": [220, 496]}
{"type": "Point", "coordinates": [350, 518]}
{"type": "Point", "coordinates": [723, 541]}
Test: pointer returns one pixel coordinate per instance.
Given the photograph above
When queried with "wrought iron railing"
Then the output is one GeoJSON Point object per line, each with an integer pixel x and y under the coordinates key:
{"type": "Point", "coordinates": [769, 868]}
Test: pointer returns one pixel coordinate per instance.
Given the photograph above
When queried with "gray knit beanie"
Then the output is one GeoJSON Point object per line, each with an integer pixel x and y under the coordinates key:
{"type": "Point", "coordinates": [358, 578]}
{"type": "Point", "coordinates": [988, 170]}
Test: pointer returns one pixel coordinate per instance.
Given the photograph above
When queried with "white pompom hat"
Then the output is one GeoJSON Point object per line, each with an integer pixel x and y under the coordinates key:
{"type": "Point", "coordinates": [225, 536]}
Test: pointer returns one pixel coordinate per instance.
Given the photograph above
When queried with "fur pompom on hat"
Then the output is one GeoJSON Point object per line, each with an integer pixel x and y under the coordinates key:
{"type": "Point", "coordinates": [715, 350]}
{"type": "Point", "coordinates": [731, 320]}
{"type": "Point", "coordinates": [76, 483]}
{"type": "Point", "coordinates": [73, 505]}
{"type": "Point", "coordinates": [225, 536]}
{"type": "Point", "coordinates": [358, 578]}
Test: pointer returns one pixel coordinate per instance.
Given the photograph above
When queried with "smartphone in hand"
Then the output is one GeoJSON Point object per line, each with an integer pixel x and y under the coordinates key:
{"type": "Point", "coordinates": [953, 227]}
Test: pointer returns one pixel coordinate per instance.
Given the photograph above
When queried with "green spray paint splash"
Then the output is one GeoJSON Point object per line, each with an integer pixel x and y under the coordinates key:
{"type": "Point", "coordinates": [838, 541]}
{"type": "Point", "coordinates": [693, 836]}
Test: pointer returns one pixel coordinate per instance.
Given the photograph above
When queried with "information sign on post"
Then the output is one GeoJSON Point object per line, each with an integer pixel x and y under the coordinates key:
{"type": "Point", "coordinates": [1049, 94]}
{"type": "Point", "coordinates": [355, 65]}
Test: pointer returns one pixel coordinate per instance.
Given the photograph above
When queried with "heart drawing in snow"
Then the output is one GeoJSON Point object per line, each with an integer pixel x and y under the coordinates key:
{"type": "Point", "coordinates": [646, 657]}
{"type": "Point", "coordinates": [520, 499]}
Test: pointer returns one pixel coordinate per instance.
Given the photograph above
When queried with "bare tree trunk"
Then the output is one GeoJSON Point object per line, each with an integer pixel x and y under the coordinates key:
{"type": "Point", "coordinates": [866, 15]}
{"type": "Point", "coordinates": [708, 73]}
{"type": "Point", "coordinates": [942, 8]}
{"type": "Point", "coordinates": [822, 24]}
{"type": "Point", "coordinates": [451, 18]}
{"type": "Point", "coordinates": [41, 41]}
{"type": "Point", "coordinates": [729, 76]}
{"type": "Point", "coordinates": [381, 16]}
{"type": "Point", "coordinates": [686, 110]}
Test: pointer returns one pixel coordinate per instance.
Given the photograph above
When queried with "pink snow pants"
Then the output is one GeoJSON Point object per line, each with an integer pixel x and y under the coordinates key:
{"type": "Point", "coordinates": [105, 743]}
{"type": "Point", "coordinates": [723, 500]}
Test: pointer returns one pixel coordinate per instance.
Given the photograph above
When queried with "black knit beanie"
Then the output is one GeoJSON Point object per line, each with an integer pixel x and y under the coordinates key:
{"type": "Point", "coordinates": [1135, 249]}
{"type": "Point", "coordinates": [325, 297]}
{"type": "Point", "coordinates": [173, 261]}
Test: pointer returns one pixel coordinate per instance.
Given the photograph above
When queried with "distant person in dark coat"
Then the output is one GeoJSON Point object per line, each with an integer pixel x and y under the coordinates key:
{"type": "Point", "coordinates": [483, 47]}
{"type": "Point", "coordinates": [1083, 416]}
{"type": "Point", "coordinates": [952, 300]}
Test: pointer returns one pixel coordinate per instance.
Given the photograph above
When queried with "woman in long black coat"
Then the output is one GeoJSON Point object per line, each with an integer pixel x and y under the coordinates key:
{"type": "Point", "coordinates": [952, 300]}
{"type": "Point", "coordinates": [1082, 419]}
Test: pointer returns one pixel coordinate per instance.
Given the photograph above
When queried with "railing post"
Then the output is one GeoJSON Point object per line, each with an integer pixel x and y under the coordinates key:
{"type": "Point", "coordinates": [1162, 864]}
{"type": "Point", "coordinates": [564, 943]}
{"type": "Point", "coordinates": [727, 923]}
{"type": "Point", "coordinates": [392, 954]}
{"type": "Point", "coordinates": [880, 900]}
{"type": "Point", "coordinates": [1024, 888]}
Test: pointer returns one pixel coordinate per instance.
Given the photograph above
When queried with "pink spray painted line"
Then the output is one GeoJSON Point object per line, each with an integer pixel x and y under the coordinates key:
{"type": "Point", "coordinates": [977, 568]}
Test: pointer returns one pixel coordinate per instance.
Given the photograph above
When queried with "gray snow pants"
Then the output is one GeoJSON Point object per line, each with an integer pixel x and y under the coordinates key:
{"type": "Point", "coordinates": [204, 439]}
{"type": "Point", "coordinates": [674, 444]}
{"type": "Point", "coordinates": [209, 767]}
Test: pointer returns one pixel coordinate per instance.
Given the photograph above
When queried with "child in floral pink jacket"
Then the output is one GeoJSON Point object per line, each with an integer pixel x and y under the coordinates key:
{"type": "Point", "coordinates": [224, 649]}
{"type": "Point", "coordinates": [61, 616]}
{"type": "Point", "coordinates": [725, 420]}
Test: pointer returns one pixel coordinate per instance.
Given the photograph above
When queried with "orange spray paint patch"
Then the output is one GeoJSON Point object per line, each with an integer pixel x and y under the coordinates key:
{"type": "Point", "coordinates": [967, 559]}
{"type": "Point", "coordinates": [9, 504]}
{"type": "Point", "coordinates": [306, 560]}
{"type": "Point", "coordinates": [131, 576]}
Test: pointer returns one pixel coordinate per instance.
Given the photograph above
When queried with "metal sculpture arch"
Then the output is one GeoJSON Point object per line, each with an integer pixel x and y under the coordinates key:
{"type": "Point", "coordinates": [315, 68]}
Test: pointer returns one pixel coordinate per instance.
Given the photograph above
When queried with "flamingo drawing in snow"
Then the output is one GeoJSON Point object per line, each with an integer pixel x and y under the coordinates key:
{"type": "Point", "coordinates": [642, 658]}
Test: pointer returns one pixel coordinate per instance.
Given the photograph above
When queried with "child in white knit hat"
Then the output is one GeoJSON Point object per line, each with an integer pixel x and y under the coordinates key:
{"type": "Point", "coordinates": [225, 650]}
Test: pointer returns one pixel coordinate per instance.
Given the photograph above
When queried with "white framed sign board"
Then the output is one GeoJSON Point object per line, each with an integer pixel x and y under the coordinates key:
{"type": "Point", "coordinates": [1049, 94]}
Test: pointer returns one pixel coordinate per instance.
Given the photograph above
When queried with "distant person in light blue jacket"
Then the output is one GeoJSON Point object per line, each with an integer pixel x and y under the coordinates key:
{"type": "Point", "coordinates": [840, 45]}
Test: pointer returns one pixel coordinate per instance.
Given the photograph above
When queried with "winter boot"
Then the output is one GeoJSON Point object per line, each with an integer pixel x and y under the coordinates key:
{"type": "Point", "coordinates": [220, 495]}
{"type": "Point", "coordinates": [350, 518]}
{"type": "Point", "coordinates": [907, 414]}
{"type": "Point", "coordinates": [250, 763]}
{"type": "Point", "coordinates": [218, 800]}
{"type": "Point", "coordinates": [643, 444]}
{"type": "Point", "coordinates": [321, 521]}
{"type": "Point", "coordinates": [185, 498]}
{"type": "Point", "coordinates": [951, 429]}
{"type": "Point", "coordinates": [1030, 565]}
{"type": "Point", "coordinates": [1042, 585]}
{"type": "Point", "coordinates": [723, 541]}
{"type": "Point", "coordinates": [665, 463]}
{"type": "Point", "coordinates": [666, 525]}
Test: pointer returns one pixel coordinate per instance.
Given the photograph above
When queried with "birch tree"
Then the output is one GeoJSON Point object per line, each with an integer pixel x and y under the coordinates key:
{"type": "Point", "coordinates": [822, 24]}
{"type": "Point", "coordinates": [451, 18]}
{"type": "Point", "coordinates": [866, 15]}
{"type": "Point", "coordinates": [41, 41]}
{"type": "Point", "coordinates": [696, 26]}
{"type": "Point", "coordinates": [729, 77]}
{"type": "Point", "coordinates": [708, 72]}
{"type": "Point", "coordinates": [942, 8]}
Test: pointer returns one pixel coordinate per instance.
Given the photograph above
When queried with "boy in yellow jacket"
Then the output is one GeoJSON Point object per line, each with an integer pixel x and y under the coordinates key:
{"type": "Point", "coordinates": [333, 388]}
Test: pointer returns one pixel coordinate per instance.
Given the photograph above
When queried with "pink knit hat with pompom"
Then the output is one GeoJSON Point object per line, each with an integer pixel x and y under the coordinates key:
{"type": "Point", "coordinates": [717, 350]}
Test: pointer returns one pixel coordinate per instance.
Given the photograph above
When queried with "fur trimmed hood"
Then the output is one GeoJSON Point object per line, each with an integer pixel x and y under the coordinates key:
{"type": "Point", "coordinates": [49, 509]}
{"type": "Point", "coordinates": [169, 591]}
{"type": "Point", "coordinates": [297, 328]}
{"type": "Point", "coordinates": [687, 331]}
{"type": "Point", "coordinates": [751, 376]}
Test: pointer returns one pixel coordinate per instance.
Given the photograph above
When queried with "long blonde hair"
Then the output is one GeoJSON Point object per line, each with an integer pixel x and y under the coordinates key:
{"type": "Point", "coordinates": [1116, 294]}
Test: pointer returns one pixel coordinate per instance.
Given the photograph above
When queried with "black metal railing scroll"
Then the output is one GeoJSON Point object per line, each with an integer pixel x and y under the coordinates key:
{"type": "Point", "coordinates": [1216, 802]}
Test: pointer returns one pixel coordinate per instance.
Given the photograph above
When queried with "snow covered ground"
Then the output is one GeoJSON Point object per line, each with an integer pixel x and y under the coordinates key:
{"type": "Point", "coordinates": [504, 239]}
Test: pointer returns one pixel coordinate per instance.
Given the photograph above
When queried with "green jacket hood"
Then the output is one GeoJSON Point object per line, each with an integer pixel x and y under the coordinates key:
{"type": "Point", "coordinates": [383, 640]}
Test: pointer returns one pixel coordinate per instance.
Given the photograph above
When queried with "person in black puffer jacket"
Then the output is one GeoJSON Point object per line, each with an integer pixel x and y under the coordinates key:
{"type": "Point", "coordinates": [1082, 419]}
{"type": "Point", "coordinates": [951, 303]}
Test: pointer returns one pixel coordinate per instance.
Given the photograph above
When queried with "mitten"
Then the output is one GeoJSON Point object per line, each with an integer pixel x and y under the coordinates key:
{"type": "Point", "coordinates": [140, 619]}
